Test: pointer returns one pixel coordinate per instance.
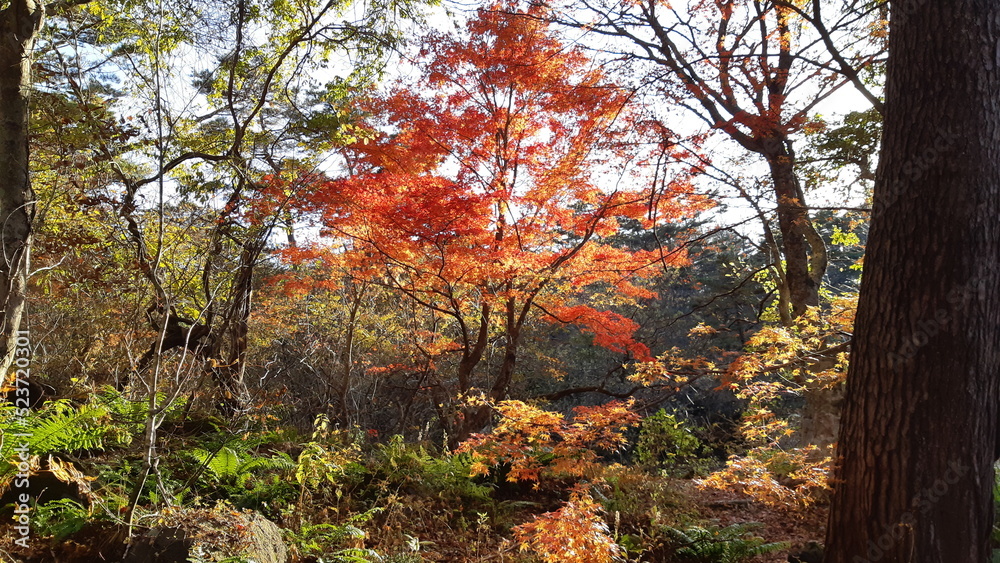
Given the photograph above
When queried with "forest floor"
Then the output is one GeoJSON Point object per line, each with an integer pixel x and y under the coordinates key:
{"type": "Point", "coordinates": [798, 527]}
{"type": "Point", "coordinates": [444, 534]}
{"type": "Point", "coordinates": [394, 501]}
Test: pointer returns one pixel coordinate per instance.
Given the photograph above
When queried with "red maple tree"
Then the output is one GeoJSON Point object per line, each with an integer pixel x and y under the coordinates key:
{"type": "Point", "coordinates": [489, 191]}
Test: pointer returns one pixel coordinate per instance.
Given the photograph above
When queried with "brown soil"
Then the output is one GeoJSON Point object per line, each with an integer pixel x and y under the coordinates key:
{"type": "Point", "coordinates": [798, 527]}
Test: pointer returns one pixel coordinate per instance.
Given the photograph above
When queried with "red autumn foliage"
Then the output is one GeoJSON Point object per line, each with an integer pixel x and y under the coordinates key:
{"type": "Point", "coordinates": [489, 191]}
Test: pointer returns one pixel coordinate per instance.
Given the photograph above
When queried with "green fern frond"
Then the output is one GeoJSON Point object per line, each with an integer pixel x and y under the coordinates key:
{"type": "Point", "coordinates": [134, 413]}
{"type": "Point", "coordinates": [227, 464]}
{"type": "Point", "coordinates": [60, 427]}
{"type": "Point", "coordinates": [69, 430]}
{"type": "Point", "coordinates": [731, 544]}
{"type": "Point", "coordinates": [279, 462]}
{"type": "Point", "coordinates": [223, 464]}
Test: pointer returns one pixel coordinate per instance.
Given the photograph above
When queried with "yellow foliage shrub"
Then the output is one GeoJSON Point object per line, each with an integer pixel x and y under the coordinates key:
{"type": "Point", "coordinates": [575, 533]}
{"type": "Point", "coordinates": [538, 443]}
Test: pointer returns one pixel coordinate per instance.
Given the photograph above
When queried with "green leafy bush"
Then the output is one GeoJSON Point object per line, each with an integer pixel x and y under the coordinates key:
{"type": "Point", "coordinates": [670, 445]}
{"type": "Point", "coordinates": [59, 518]}
{"type": "Point", "coordinates": [330, 542]}
{"type": "Point", "coordinates": [413, 467]}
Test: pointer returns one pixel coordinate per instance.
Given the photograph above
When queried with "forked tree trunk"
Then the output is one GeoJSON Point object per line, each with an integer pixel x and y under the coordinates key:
{"type": "Point", "coordinates": [513, 324]}
{"type": "Point", "coordinates": [233, 393]}
{"type": "Point", "coordinates": [802, 247]}
{"type": "Point", "coordinates": [475, 418]}
{"type": "Point", "coordinates": [916, 452]}
{"type": "Point", "coordinates": [19, 25]}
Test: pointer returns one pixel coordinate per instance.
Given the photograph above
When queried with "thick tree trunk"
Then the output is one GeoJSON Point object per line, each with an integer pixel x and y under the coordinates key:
{"type": "Point", "coordinates": [19, 25]}
{"type": "Point", "coordinates": [916, 452]}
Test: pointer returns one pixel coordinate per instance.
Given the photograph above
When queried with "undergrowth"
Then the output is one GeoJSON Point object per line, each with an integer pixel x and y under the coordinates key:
{"type": "Point", "coordinates": [337, 494]}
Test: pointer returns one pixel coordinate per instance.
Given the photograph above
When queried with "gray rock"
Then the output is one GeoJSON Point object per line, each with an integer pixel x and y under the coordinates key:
{"type": "Point", "coordinates": [267, 545]}
{"type": "Point", "coordinates": [178, 544]}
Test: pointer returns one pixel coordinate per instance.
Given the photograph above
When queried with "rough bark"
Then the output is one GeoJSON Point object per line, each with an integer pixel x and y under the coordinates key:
{"type": "Point", "coordinates": [20, 23]}
{"type": "Point", "coordinates": [915, 459]}
{"type": "Point", "coordinates": [803, 248]}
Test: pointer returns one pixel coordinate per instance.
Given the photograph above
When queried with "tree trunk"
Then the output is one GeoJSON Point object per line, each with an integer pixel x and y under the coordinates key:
{"type": "Point", "coordinates": [229, 376]}
{"type": "Point", "coordinates": [514, 323]}
{"type": "Point", "coordinates": [474, 418]}
{"type": "Point", "coordinates": [343, 385]}
{"type": "Point", "coordinates": [472, 351]}
{"type": "Point", "coordinates": [801, 277]}
{"type": "Point", "coordinates": [20, 23]}
{"type": "Point", "coordinates": [803, 248]}
{"type": "Point", "coordinates": [915, 460]}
